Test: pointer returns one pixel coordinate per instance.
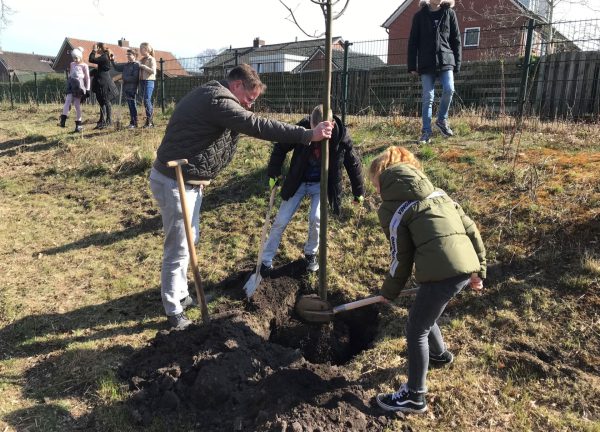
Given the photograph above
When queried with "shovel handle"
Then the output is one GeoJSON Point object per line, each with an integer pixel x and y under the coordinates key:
{"type": "Point", "coordinates": [176, 163]}
{"type": "Point", "coordinates": [358, 303]}
{"type": "Point", "coordinates": [369, 300]}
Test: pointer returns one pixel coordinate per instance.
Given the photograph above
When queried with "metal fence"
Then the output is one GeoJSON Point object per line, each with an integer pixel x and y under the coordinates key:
{"type": "Point", "coordinates": [551, 71]}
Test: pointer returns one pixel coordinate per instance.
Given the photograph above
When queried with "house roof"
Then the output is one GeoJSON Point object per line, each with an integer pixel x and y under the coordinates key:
{"type": "Point", "coordinates": [27, 62]}
{"type": "Point", "coordinates": [356, 60]}
{"type": "Point", "coordinates": [172, 67]}
{"type": "Point", "coordinates": [405, 3]}
{"type": "Point", "coordinates": [301, 48]}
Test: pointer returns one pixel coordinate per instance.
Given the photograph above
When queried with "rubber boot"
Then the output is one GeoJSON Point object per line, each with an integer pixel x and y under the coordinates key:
{"type": "Point", "coordinates": [78, 127]}
{"type": "Point", "coordinates": [63, 120]}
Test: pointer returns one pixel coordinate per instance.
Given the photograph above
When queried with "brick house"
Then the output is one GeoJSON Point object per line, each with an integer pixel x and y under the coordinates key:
{"type": "Point", "coordinates": [490, 29]}
{"type": "Point", "coordinates": [172, 67]}
{"type": "Point", "coordinates": [23, 66]}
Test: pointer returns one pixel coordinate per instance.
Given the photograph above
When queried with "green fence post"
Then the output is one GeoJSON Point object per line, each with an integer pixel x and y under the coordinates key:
{"type": "Point", "coordinates": [162, 85]}
{"type": "Point", "coordinates": [37, 98]}
{"type": "Point", "coordinates": [526, 65]}
{"type": "Point", "coordinates": [10, 90]}
{"type": "Point", "coordinates": [345, 82]}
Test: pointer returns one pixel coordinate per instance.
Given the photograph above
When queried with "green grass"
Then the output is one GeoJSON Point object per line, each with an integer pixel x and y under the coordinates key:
{"type": "Point", "coordinates": [82, 243]}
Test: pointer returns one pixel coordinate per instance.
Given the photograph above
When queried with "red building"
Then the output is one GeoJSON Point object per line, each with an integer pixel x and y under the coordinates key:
{"type": "Point", "coordinates": [490, 29]}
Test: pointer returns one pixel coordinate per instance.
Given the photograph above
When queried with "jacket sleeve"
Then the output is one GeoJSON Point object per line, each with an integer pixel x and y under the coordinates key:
{"type": "Point", "coordinates": [229, 114]}
{"type": "Point", "coordinates": [92, 57]}
{"type": "Point", "coordinates": [280, 150]}
{"type": "Point", "coordinates": [402, 253]}
{"type": "Point", "coordinates": [413, 44]}
{"type": "Point", "coordinates": [455, 43]}
{"type": "Point", "coordinates": [86, 77]}
{"type": "Point", "coordinates": [152, 68]}
{"type": "Point", "coordinates": [353, 167]}
{"type": "Point", "coordinates": [475, 237]}
{"type": "Point", "coordinates": [118, 66]}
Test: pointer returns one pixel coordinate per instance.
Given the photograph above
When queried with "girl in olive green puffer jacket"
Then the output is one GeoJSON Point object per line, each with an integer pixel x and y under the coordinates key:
{"type": "Point", "coordinates": [430, 231]}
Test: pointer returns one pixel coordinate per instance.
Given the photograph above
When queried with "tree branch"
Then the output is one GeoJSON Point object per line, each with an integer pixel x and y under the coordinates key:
{"type": "Point", "coordinates": [340, 13]}
{"type": "Point", "coordinates": [296, 22]}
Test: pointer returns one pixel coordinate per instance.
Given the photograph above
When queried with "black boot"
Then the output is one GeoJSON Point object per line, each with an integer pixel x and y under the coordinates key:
{"type": "Point", "coordinates": [108, 114]}
{"type": "Point", "coordinates": [63, 120]}
{"type": "Point", "coordinates": [101, 123]}
{"type": "Point", "coordinates": [78, 127]}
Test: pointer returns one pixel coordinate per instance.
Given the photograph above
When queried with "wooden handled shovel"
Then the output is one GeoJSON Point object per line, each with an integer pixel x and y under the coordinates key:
{"type": "Point", "coordinates": [190, 239]}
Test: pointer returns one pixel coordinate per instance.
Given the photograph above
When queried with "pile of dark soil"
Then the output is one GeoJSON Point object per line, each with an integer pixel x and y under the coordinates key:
{"type": "Point", "coordinates": [258, 369]}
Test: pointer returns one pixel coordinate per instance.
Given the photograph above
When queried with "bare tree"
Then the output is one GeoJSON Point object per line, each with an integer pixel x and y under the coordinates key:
{"type": "Point", "coordinates": [329, 15]}
{"type": "Point", "coordinates": [5, 12]}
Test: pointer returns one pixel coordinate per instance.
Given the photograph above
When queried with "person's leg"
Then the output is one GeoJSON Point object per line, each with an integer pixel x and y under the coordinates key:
{"type": "Point", "coordinates": [132, 107]}
{"type": "Point", "coordinates": [175, 251]}
{"type": "Point", "coordinates": [194, 197]}
{"type": "Point", "coordinates": [108, 108]}
{"type": "Point", "coordinates": [287, 209]}
{"type": "Point", "coordinates": [77, 104]}
{"type": "Point", "coordinates": [149, 93]}
{"type": "Point", "coordinates": [447, 81]}
{"type": "Point", "coordinates": [101, 121]}
{"type": "Point", "coordinates": [67, 105]}
{"type": "Point", "coordinates": [427, 83]}
{"type": "Point", "coordinates": [430, 302]}
{"type": "Point", "coordinates": [314, 219]}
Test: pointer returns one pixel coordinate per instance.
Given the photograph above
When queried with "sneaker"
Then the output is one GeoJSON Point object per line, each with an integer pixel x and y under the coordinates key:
{"type": "Point", "coordinates": [403, 400]}
{"type": "Point", "coordinates": [443, 127]}
{"type": "Point", "coordinates": [131, 126]}
{"type": "Point", "coordinates": [425, 138]}
{"type": "Point", "coordinates": [312, 264]}
{"type": "Point", "coordinates": [443, 359]}
{"type": "Point", "coordinates": [265, 271]}
{"type": "Point", "coordinates": [148, 125]}
{"type": "Point", "coordinates": [187, 302]}
{"type": "Point", "coordinates": [179, 321]}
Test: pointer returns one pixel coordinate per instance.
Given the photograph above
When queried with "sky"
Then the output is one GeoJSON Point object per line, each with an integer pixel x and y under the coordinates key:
{"type": "Point", "coordinates": [186, 28]}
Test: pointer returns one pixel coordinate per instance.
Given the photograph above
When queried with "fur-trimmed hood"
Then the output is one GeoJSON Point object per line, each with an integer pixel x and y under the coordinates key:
{"type": "Point", "coordinates": [444, 3]}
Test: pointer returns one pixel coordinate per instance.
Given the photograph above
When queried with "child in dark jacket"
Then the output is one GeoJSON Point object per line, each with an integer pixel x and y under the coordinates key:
{"type": "Point", "coordinates": [131, 78]}
{"type": "Point", "coordinates": [303, 178]}
{"type": "Point", "coordinates": [430, 231]}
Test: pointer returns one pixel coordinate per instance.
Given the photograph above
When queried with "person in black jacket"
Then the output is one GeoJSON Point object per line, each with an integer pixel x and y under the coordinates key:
{"type": "Point", "coordinates": [102, 84]}
{"type": "Point", "coordinates": [131, 78]}
{"type": "Point", "coordinates": [304, 179]}
{"type": "Point", "coordinates": [434, 50]}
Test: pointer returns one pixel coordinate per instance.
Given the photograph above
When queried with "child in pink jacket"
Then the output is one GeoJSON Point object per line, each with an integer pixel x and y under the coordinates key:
{"type": "Point", "coordinates": [78, 88]}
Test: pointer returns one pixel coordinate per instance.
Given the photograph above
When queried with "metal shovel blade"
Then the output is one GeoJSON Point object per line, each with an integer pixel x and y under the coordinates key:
{"type": "Point", "coordinates": [311, 308]}
{"type": "Point", "coordinates": [251, 284]}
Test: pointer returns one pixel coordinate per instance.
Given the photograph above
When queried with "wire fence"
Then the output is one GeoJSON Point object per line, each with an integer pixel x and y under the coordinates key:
{"type": "Point", "coordinates": [549, 71]}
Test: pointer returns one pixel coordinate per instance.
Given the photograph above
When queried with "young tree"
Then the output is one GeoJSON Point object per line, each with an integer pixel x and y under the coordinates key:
{"type": "Point", "coordinates": [329, 15]}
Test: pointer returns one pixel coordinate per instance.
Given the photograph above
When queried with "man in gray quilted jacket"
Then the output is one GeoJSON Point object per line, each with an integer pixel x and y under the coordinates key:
{"type": "Point", "coordinates": [204, 129]}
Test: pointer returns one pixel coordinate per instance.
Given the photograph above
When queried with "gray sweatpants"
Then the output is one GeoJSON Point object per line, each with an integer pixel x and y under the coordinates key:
{"type": "Point", "coordinates": [422, 332]}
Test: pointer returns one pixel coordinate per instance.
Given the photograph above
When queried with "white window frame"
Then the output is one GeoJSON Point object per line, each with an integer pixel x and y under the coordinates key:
{"type": "Point", "coordinates": [465, 36]}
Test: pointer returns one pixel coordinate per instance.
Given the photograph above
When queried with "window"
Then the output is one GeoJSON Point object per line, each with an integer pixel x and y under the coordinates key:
{"type": "Point", "coordinates": [471, 37]}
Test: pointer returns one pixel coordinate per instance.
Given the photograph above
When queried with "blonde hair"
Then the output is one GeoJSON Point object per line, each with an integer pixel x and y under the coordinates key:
{"type": "Point", "coordinates": [148, 47]}
{"type": "Point", "coordinates": [393, 155]}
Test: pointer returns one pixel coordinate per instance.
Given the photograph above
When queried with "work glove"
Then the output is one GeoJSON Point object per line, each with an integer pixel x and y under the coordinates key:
{"type": "Point", "coordinates": [274, 181]}
{"type": "Point", "coordinates": [359, 199]}
{"type": "Point", "coordinates": [85, 96]}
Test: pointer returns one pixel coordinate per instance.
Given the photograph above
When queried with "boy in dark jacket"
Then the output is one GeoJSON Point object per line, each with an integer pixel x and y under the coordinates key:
{"type": "Point", "coordinates": [304, 179]}
{"type": "Point", "coordinates": [131, 78]}
{"type": "Point", "coordinates": [434, 50]}
{"type": "Point", "coordinates": [429, 231]}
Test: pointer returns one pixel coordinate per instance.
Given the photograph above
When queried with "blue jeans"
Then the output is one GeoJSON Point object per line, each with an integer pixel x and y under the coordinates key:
{"type": "Point", "coordinates": [423, 334]}
{"type": "Point", "coordinates": [428, 82]}
{"type": "Point", "coordinates": [130, 96]}
{"type": "Point", "coordinates": [147, 90]}
{"type": "Point", "coordinates": [173, 276]}
{"type": "Point", "coordinates": [286, 212]}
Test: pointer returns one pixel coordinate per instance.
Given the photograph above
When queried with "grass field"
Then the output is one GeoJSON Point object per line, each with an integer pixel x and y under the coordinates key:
{"type": "Point", "coordinates": [81, 241]}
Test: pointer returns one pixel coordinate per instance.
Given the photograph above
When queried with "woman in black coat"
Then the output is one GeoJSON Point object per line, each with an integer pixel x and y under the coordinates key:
{"type": "Point", "coordinates": [434, 51]}
{"type": "Point", "coordinates": [102, 84]}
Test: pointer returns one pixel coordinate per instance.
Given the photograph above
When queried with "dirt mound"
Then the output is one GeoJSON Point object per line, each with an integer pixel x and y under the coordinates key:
{"type": "Point", "coordinates": [250, 370]}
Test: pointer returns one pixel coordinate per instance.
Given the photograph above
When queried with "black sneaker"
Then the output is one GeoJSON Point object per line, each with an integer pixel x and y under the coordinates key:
{"type": "Point", "coordinates": [179, 321]}
{"type": "Point", "coordinates": [425, 138]}
{"type": "Point", "coordinates": [444, 128]}
{"type": "Point", "coordinates": [187, 302]}
{"type": "Point", "coordinates": [403, 400]}
{"type": "Point", "coordinates": [312, 264]}
{"type": "Point", "coordinates": [265, 271]}
{"type": "Point", "coordinates": [443, 359]}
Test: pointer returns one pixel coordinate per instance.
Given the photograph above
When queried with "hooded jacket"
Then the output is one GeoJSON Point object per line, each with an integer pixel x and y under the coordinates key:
{"type": "Point", "coordinates": [434, 233]}
{"type": "Point", "coordinates": [434, 49]}
{"type": "Point", "coordinates": [130, 75]}
{"type": "Point", "coordinates": [205, 129]}
{"type": "Point", "coordinates": [341, 153]}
